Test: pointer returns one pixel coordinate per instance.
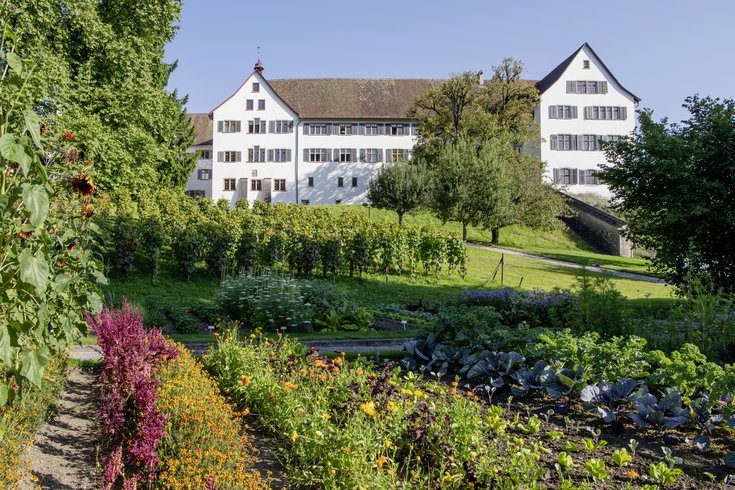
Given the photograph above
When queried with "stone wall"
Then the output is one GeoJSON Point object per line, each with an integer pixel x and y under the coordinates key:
{"type": "Point", "coordinates": [605, 229]}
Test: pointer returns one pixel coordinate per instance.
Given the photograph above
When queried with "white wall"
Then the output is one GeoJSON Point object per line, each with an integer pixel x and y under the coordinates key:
{"type": "Point", "coordinates": [234, 108]}
{"type": "Point", "coordinates": [556, 95]}
{"type": "Point", "coordinates": [194, 183]}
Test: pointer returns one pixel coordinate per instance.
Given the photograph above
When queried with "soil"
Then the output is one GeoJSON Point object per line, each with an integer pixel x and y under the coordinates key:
{"type": "Point", "coordinates": [65, 452]}
{"type": "Point", "coordinates": [267, 462]}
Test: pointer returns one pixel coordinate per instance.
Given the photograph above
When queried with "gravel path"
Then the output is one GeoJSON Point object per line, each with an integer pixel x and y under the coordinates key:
{"type": "Point", "coordinates": [564, 263]}
{"type": "Point", "coordinates": [65, 451]}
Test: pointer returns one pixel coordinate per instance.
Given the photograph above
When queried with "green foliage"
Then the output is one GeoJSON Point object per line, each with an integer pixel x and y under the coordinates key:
{"type": "Point", "coordinates": [599, 303]}
{"type": "Point", "coordinates": [100, 72]}
{"type": "Point", "coordinates": [181, 318]}
{"type": "Point", "coordinates": [621, 457]}
{"type": "Point", "coordinates": [399, 187]}
{"type": "Point", "coordinates": [674, 184]}
{"type": "Point", "coordinates": [49, 276]}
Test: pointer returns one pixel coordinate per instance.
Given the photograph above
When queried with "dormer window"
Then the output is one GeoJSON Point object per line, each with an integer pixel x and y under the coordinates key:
{"type": "Point", "coordinates": [586, 64]}
{"type": "Point", "coordinates": [256, 85]}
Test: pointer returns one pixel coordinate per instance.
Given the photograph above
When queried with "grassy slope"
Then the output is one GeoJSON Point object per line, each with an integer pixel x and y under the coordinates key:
{"type": "Point", "coordinates": [560, 243]}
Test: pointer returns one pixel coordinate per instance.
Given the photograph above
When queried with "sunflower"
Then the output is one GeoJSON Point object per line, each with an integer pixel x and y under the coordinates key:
{"type": "Point", "coordinates": [87, 211]}
{"type": "Point", "coordinates": [83, 184]}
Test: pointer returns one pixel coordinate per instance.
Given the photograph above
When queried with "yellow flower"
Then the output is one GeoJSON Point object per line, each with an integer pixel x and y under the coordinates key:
{"type": "Point", "coordinates": [381, 461]}
{"type": "Point", "coordinates": [632, 474]}
{"type": "Point", "coordinates": [325, 416]}
{"type": "Point", "coordinates": [246, 379]}
{"type": "Point", "coordinates": [386, 443]}
{"type": "Point", "coordinates": [293, 436]}
{"type": "Point", "coordinates": [368, 408]}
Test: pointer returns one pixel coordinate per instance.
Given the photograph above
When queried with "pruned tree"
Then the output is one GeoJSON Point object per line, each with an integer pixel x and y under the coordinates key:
{"type": "Point", "coordinates": [399, 187]}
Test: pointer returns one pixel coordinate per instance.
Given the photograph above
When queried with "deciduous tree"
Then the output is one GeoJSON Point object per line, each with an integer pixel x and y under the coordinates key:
{"type": "Point", "coordinates": [675, 184]}
{"type": "Point", "coordinates": [399, 187]}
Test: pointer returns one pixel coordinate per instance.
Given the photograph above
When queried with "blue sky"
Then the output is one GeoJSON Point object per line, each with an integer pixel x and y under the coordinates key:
{"type": "Point", "coordinates": [663, 51]}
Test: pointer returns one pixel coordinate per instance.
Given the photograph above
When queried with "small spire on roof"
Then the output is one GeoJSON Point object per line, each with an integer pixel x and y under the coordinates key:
{"type": "Point", "coordinates": [258, 65]}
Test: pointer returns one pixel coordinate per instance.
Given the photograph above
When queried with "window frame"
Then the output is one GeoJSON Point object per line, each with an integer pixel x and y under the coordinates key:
{"type": "Point", "coordinates": [249, 105]}
{"type": "Point", "coordinates": [205, 154]}
{"type": "Point", "coordinates": [256, 185]}
{"type": "Point", "coordinates": [279, 185]}
{"type": "Point", "coordinates": [256, 87]}
{"type": "Point", "coordinates": [230, 184]}
{"type": "Point", "coordinates": [375, 153]}
{"type": "Point", "coordinates": [261, 104]}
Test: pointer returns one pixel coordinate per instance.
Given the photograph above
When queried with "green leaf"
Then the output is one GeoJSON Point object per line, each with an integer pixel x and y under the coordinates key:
{"type": "Point", "coordinates": [16, 64]}
{"type": "Point", "coordinates": [33, 123]}
{"type": "Point", "coordinates": [32, 363]}
{"type": "Point", "coordinates": [15, 152]}
{"type": "Point", "coordinates": [36, 201]}
{"type": "Point", "coordinates": [34, 270]}
{"type": "Point", "coordinates": [3, 394]}
{"type": "Point", "coordinates": [7, 350]}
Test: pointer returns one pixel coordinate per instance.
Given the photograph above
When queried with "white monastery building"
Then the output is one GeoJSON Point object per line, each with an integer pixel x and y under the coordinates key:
{"type": "Point", "coordinates": [319, 141]}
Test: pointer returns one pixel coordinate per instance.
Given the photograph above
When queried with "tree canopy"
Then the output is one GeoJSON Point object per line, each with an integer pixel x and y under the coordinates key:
{"type": "Point", "coordinates": [98, 70]}
{"type": "Point", "coordinates": [399, 187]}
{"type": "Point", "coordinates": [675, 184]}
{"type": "Point", "coordinates": [478, 141]}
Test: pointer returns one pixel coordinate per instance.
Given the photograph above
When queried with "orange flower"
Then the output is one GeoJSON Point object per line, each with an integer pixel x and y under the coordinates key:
{"type": "Point", "coordinates": [632, 474]}
{"type": "Point", "coordinates": [338, 360]}
{"type": "Point", "coordinates": [25, 234]}
{"type": "Point", "coordinates": [83, 184]}
{"type": "Point", "coordinates": [246, 379]}
{"type": "Point", "coordinates": [44, 128]}
{"type": "Point", "coordinates": [290, 386]}
{"type": "Point", "coordinates": [87, 211]}
{"type": "Point", "coordinates": [69, 136]}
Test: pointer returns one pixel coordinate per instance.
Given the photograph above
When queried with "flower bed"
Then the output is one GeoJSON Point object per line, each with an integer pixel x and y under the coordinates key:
{"type": "Point", "coordinates": [203, 446]}
{"type": "Point", "coordinates": [172, 432]}
{"type": "Point", "coordinates": [20, 418]}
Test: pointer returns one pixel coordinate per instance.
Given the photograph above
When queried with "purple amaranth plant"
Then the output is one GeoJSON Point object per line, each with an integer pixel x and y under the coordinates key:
{"type": "Point", "coordinates": [129, 417]}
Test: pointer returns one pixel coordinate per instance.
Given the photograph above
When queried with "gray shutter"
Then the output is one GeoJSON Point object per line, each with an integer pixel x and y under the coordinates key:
{"type": "Point", "coordinates": [220, 156]}
{"type": "Point", "coordinates": [262, 126]}
{"type": "Point", "coordinates": [380, 154]}
{"type": "Point", "coordinates": [362, 154]}
{"type": "Point", "coordinates": [199, 174]}
{"type": "Point", "coordinates": [306, 155]}
{"type": "Point", "coordinates": [554, 142]}
{"type": "Point", "coordinates": [238, 156]}
{"type": "Point", "coordinates": [574, 112]}
{"type": "Point", "coordinates": [327, 129]}
{"type": "Point", "coordinates": [270, 155]}
{"type": "Point", "coordinates": [360, 129]}
{"type": "Point", "coordinates": [556, 175]}
{"type": "Point", "coordinates": [272, 127]}
{"type": "Point", "coordinates": [571, 87]}
{"type": "Point", "coordinates": [290, 127]}
{"type": "Point", "coordinates": [219, 126]}
{"type": "Point", "coordinates": [238, 128]}
{"type": "Point", "coordinates": [306, 129]}
{"type": "Point", "coordinates": [336, 154]}
{"type": "Point", "coordinates": [623, 113]}
{"type": "Point", "coordinates": [288, 155]}
{"type": "Point", "coordinates": [405, 154]}
{"type": "Point", "coordinates": [552, 112]}
{"type": "Point", "coordinates": [381, 130]}
{"type": "Point", "coordinates": [388, 155]}
{"type": "Point", "coordinates": [573, 172]}
{"type": "Point", "coordinates": [579, 142]}
{"type": "Point", "coordinates": [354, 155]}
{"type": "Point", "coordinates": [603, 87]}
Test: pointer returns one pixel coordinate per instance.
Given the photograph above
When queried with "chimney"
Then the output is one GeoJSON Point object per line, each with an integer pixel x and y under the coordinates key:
{"type": "Point", "coordinates": [480, 77]}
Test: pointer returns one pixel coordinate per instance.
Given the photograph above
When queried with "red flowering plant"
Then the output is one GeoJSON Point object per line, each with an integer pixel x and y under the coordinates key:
{"type": "Point", "coordinates": [129, 418]}
{"type": "Point", "coordinates": [49, 275]}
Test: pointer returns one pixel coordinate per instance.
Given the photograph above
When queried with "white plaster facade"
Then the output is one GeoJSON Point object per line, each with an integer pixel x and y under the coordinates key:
{"type": "Point", "coordinates": [299, 179]}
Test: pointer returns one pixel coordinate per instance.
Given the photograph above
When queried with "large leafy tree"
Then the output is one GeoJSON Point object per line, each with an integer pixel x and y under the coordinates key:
{"type": "Point", "coordinates": [675, 184]}
{"type": "Point", "coordinates": [99, 72]}
{"type": "Point", "coordinates": [399, 187]}
{"type": "Point", "coordinates": [478, 141]}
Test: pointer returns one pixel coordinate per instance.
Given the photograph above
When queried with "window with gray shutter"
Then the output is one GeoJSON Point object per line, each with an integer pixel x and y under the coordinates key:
{"type": "Point", "coordinates": [272, 127]}
{"type": "Point", "coordinates": [336, 154]}
{"type": "Point", "coordinates": [553, 142]}
{"type": "Point", "coordinates": [360, 129]}
{"type": "Point", "coordinates": [306, 155]}
{"type": "Point", "coordinates": [220, 156]}
{"type": "Point", "coordinates": [573, 173]}
{"type": "Point", "coordinates": [219, 126]}
{"type": "Point", "coordinates": [270, 155]}
{"type": "Point", "coordinates": [552, 112]}
{"type": "Point", "coordinates": [623, 113]}
{"type": "Point", "coordinates": [381, 128]}
{"type": "Point", "coordinates": [571, 87]}
{"type": "Point", "coordinates": [574, 112]}
{"type": "Point", "coordinates": [362, 154]}
{"type": "Point", "coordinates": [602, 87]}
{"type": "Point", "coordinates": [354, 155]}
{"type": "Point", "coordinates": [379, 154]}
{"type": "Point", "coordinates": [306, 129]}
{"type": "Point", "coordinates": [578, 142]}
{"type": "Point", "coordinates": [556, 176]}
{"type": "Point", "coordinates": [388, 156]}
{"type": "Point", "coordinates": [405, 154]}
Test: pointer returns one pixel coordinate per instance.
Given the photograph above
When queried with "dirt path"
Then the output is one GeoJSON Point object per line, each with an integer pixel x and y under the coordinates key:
{"type": "Point", "coordinates": [64, 456]}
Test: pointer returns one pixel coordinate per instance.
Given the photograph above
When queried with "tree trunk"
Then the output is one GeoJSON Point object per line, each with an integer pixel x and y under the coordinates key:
{"type": "Point", "coordinates": [464, 232]}
{"type": "Point", "coordinates": [400, 220]}
{"type": "Point", "coordinates": [496, 235]}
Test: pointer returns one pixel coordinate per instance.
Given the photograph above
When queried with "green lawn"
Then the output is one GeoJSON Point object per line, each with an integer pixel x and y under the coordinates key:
{"type": "Point", "coordinates": [372, 291]}
{"type": "Point", "coordinates": [561, 243]}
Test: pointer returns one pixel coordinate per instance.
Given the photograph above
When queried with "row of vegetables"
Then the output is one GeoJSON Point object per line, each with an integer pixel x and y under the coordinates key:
{"type": "Point", "coordinates": [702, 401]}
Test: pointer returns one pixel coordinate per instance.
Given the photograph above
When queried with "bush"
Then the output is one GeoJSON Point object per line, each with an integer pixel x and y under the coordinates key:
{"type": "Point", "coordinates": [183, 322]}
{"type": "Point", "coordinates": [203, 446]}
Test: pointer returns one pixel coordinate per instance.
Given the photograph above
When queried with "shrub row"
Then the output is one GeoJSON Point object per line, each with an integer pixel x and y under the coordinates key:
{"type": "Point", "coordinates": [302, 239]}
